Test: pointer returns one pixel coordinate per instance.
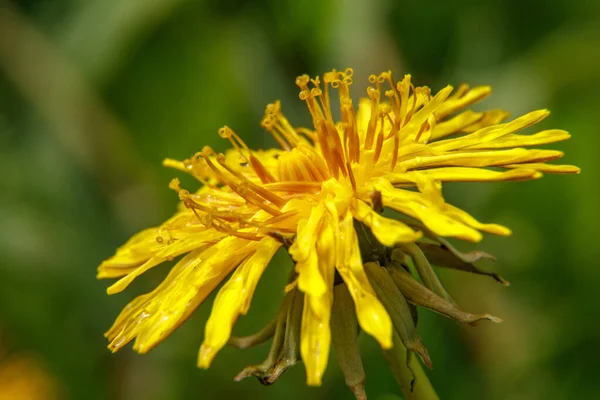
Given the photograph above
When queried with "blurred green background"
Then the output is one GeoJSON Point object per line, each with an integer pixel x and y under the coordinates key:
{"type": "Point", "coordinates": [94, 94]}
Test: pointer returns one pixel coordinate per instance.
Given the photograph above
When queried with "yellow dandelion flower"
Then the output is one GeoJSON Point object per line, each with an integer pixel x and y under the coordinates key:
{"type": "Point", "coordinates": [22, 377]}
{"type": "Point", "coordinates": [320, 196]}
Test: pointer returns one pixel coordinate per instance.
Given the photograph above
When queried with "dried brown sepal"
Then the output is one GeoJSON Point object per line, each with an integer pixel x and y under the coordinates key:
{"type": "Point", "coordinates": [397, 308]}
{"type": "Point", "coordinates": [422, 296]}
{"type": "Point", "coordinates": [344, 335]}
{"type": "Point", "coordinates": [285, 349]}
{"type": "Point", "coordinates": [445, 255]}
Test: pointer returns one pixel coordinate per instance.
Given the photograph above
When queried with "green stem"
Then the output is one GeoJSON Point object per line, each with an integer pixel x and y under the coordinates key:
{"type": "Point", "coordinates": [410, 376]}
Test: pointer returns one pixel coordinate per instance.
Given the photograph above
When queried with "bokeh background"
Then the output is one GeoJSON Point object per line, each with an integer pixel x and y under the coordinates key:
{"type": "Point", "coordinates": [94, 94]}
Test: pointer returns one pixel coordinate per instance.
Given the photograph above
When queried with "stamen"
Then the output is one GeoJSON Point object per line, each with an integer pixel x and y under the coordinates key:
{"type": "Point", "coordinates": [308, 133]}
{"type": "Point", "coordinates": [351, 139]}
{"type": "Point", "coordinates": [190, 166]}
{"type": "Point", "coordinates": [403, 88]}
{"type": "Point", "coordinates": [392, 94]}
{"type": "Point", "coordinates": [225, 215]}
{"type": "Point", "coordinates": [347, 113]}
{"type": "Point", "coordinates": [414, 106]}
{"type": "Point", "coordinates": [395, 152]}
{"type": "Point", "coordinates": [336, 148]}
{"type": "Point", "coordinates": [384, 110]}
{"type": "Point", "coordinates": [261, 171]}
{"type": "Point", "coordinates": [321, 127]}
{"type": "Point", "coordinates": [246, 154]}
{"type": "Point", "coordinates": [351, 175]}
{"type": "Point", "coordinates": [279, 218]}
{"type": "Point", "coordinates": [227, 133]}
{"type": "Point", "coordinates": [374, 95]}
{"type": "Point", "coordinates": [294, 186]}
{"type": "Point", "coordinates": [241, 189]}
{"type": "Point", "coordinates": [230, 231]}
{"type": "Point", "coordinates": [275, 123]}
{"type": "Point", "coordinates": [378, 144]}
{"type": "Point", "coordinates": [267, 195]}
{"type": "Point", "coordinates": [305, 95]}
{"type": "Point", "coordinates": [323, 99]}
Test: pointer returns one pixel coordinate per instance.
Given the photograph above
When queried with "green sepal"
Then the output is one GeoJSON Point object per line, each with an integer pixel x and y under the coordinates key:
{"type": "Point", "coordinates": [344, 335]}
{"type": "Point", "coordinates": [398, 309]}
{"type": "Point", "coordinates": [422, 296]}
{"type": "Point", "coordinates": [425, 271]}
{"type": "Point", "coordinates": [244, 342]}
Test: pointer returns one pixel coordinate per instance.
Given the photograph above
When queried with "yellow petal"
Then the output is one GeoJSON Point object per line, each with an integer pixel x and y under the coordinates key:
{"type": "Point", "coordinates": [418, 206]}
{"type": "Point", "coordinates": [387, 231]}
{"type": "Point", "coordinates": [326, 253]}
{"type": "Point", "coordinates": [152, 317]}
{"type": "Point", "coordinates": [479, 159]}
{"type": "Point", "coordinates": [452, 105]}
{"type": "Point", "coordinates": [234, 299]}
{"type": "Point", "coordinates": [455, 124]}
{"type": "Point", "coordinates": [466, 174]}
{"type": "Point", "coordinates": [304, 252]}
{"type": "Point", "coordinates": [305, 241]}
{"type": "Point", "coordinates": [467, 219]}
{"type": "Point", "coordinates": [511, 140]}
{"type": "Point", "coordinates": [550, 168]}
{"type": "Point", "coordinates": [131, 255]}
{"type": "Point", "coordinates": [372, 316]}
{"type": "Point", "coordinates": [315, 340]}
{"type": "Point", "coordinates": [492, 133]}
{"type": "Point", "coordinates": [168, 252]}
{"type": "Point", "coordinates": [411, 130]}
{"type": "Point", "coordinates": [491, 117]}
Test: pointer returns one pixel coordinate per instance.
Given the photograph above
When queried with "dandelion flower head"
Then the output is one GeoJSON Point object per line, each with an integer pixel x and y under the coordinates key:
{"type": "Point", "coordinates": [320, 197]}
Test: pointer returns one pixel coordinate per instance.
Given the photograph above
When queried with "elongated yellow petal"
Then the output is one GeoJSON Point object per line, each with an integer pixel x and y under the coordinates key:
{"type": "Point", "coordinates": [148, 243]}
{"type": "Point", "coordinates": [490, 117]}
{"type": "Point", "coordinates": [419, 206]}
{"type": "Point", "coordinates": [234, 299]}
{"type": "Point", "coordinates": [455, 124]}
{"type": "Point", "coordinates": [156, 315]}
{"type": "Point", "coordinates": [326, 257]}
{"type": "Point", "coordinates": [387, 231]}
{"type": "Point", "coordinates": [493, 133]}
{"type": "Point", "coordinates": [512, 140]}
{"type": "Point", "coordinates": [466, 174]}
{"type": "Point", "coordinates": [315, 337]}
{"type": "Point", "coordinates": [167, 252]}
{"type": "Point", "coordinates": [467, 219]}
{"type": "Point", "coordinates": [303, 251]}
{"type": "Point", "coordinates": [316, 334]}
{"type": "Point", "coordinates": [135, 252]}
{"type": "Point", "coordinates": [372, 316]}
{"type": "Point", "coordinates": [452, 105]}
{"type": "Point", "coordinates": [550, 168]}
{"type": "Point", "coordinates": [412, 129]}
{"type": "Point", "coordinates": [480, 159]}
{"type": "Point", "coordinates": [305, 241]}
